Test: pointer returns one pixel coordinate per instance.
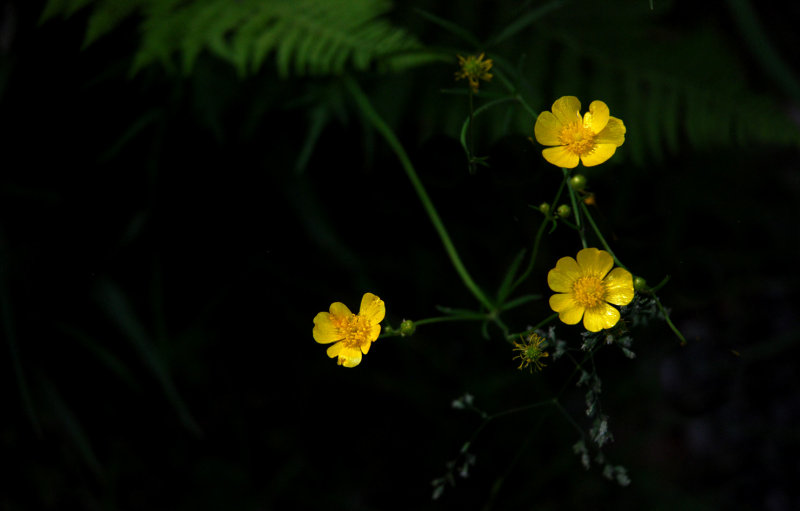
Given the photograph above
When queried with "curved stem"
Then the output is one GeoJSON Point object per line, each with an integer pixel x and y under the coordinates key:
{"type": "Point", "coordinates": [600, 235]}
{"type": "Point", "coordinates": [619, 263]}
{"type": "Point", "coordinates": [577, 211]}
{"type": "Point", "coordinates": [537, 240]}
{"type": "Point", "coordinates": [540, 324]}
{"type": "Point", "coordinates": [442, 319]}
{"type": "Point", "coordinates": [394, 143]}
{"type": "Point", "coordinates": [669, 322]}
{"type": "Point", "coordinates": [471, 133]}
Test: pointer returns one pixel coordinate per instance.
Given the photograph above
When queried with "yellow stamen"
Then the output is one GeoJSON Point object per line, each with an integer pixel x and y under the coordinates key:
{"type": "Point", "coordinates": [356, 330]}
{"type": "Point", "coordinates": [578, 138]}
{"type": "Point", "coordinates": [589, 291]}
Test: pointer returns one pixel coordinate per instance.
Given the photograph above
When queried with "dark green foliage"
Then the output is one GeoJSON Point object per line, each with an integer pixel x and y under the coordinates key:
{"type": "Point", "coordinates": [315, 37]}
{"type": "Point", "coordinates": [672, 86]}
{"type": "Point", "coordinates": [165, 247]}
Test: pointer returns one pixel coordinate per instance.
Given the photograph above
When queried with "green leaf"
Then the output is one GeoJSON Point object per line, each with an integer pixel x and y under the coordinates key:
{"type": "Point", "coordinates": [508, 280]}
{"type": "Point", "coordinates": [453, 28]}
{"type": "Point", "coordinates": [72, 426]}
{"type": "Point", "coordinates": [119, 310]}
{"type": "Point", "coordinates": [106, 17]}
{"type": "Point", "coordinates": [461, 313]}
{"type": "Point", "coordinates": [520, 300]}
{"type": "Point", "coordinates": [307, 36]}
{"type": "Point", "coordinates": [524, 21]}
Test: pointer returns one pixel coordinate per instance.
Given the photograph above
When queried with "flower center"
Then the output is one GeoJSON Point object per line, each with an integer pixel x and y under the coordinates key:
{"type": "Point", "coordinates": [589, 291]}
{"type": "Point", "coordinates": [356, 331]}
{"type": "Point", "coordinates": [578, 138]}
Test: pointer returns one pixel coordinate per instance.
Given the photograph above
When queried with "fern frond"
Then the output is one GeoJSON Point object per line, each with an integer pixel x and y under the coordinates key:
{"type": "Point", "coordinates": [306, 37]}
{"type": "Point", "coordinates": [669, 91]}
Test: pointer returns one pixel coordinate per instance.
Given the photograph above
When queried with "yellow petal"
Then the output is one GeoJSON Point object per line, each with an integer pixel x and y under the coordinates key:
{"type": "Point", "coordinates": [325, 331]}
{"type": "Point", "coordinates": [613, 133]}
{"type": "Point", "coordinates": [374, 332]}
{"type": "Point", "coordinates": [561, 157]}
{"type": "Point", "coordinates": [598, 318]}
{"type": "Point", "coordinates": [372, 308]}
{"type": "Point", "coordinates": [567, 109]}
{"type": "Point", "coordinates": [595, 262]}
{"type": "Point", "coordinates": [547, 129]}
{"type": "Point", "coordinates": [340, 310]}
{"type": "Point", "coordinates": [561, 278]}
{"type": "Point", "coordinates": [334, 350]}
{"type": "Point", "coordinates": [619, 286]}
{"type": "Point", "coordinates": [365, 346]}
{"type": "Point", "coordinates": [349, 357]}
{"type": "Point", "coordinates": [599, 154]}
{"type": "Point", "coordinates": [572, 315]}
{"type": "Point", "coordinates": [597, 117]}
{"type": "Point", "coordinates": [562, 302]}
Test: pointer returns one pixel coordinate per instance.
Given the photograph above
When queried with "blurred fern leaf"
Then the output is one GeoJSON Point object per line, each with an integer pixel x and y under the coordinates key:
{"type": "Point", "coordinates": [307, 37]}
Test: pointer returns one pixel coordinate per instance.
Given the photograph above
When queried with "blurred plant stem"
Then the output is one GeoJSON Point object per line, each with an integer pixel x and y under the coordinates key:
{"type": "Point", "coordinates": [387, 133]}
{"type": "Point", "coordinates": [575, 209]}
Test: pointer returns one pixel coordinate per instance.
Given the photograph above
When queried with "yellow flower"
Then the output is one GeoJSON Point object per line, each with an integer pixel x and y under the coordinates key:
{"type": "Point", "coordinates": [352, 333]}
{"type": "Point", "coordinates": [531, 352]}
{"type": "Point", "coordinates": [591, 139]}
{"type": "Point", "coordinates": [586, 288]}
{"type": "Point", "coordinates": [473, 69]}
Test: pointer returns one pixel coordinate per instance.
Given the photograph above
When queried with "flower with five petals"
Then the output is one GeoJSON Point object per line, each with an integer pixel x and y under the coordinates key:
{"type": "Point", "coordinates": [587, 287]}
{"type": "Point", "coordinates": [591, 139]}
{"type": "Point", "coordinates": [353, 334]}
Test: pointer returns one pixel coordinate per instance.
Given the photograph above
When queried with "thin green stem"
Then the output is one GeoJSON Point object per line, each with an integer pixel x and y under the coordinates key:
{"type": "Point", "coordinates": [659, 285]}
{"type": "Point", "coordinates": [466, 127]}
{"type": "Point", "coordinates": [442, 319]}
{"type": "Point", "coordinates": [526, 106]}
{"type": "Point", "coordinates": [551, 401]}
{"type": "Point", "coordinates": [537, 241]}
{"type": "Point", "coordinates": [569, 418]}
{"type": "Point", "coordinates": [471, 134]}
{"type": "Point", "coordinates": [540, 324]}
{"type": "Point", "coordinates": [600, 235]}
{"type": "Point", "coordinates": [534, 253]}
{"type": "Point", "coordinates": [619, 263]}
{"type": "Point", "coordinates": [379, 124]}
{"type": "Point", "coordinates": [395, 332]}
{"type": "Point", "coordinates": [577, 211]}
{"type": "Point", "coordinates": [502, 78]}
{"type": "Point", "coordinates": [669, 322]}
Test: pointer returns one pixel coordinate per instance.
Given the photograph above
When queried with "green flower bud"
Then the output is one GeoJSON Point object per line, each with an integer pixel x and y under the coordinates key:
{"type": "Point", "coordinates": [407, 328]}
{"type": "Point", "coordinates": [577, 182]}
{"type": "Point", "coordinates": [564, 211]}
{"type": "Point", "coordinates": [544, 208]}
{"type": "Point", "coordinates": [639, 284]}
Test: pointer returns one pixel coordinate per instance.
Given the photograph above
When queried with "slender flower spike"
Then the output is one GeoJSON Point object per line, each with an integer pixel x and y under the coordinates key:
{"type": "Point", "coordinates": [474, 69]}
{"type": "Point", "coordinates": [586, 288]}
{"type": "Point", "coordinates": [353, 334]}
{"type": "Point", "coordinates": [531, 352]}
{"type": "Point", "coordinates": [591, 139]}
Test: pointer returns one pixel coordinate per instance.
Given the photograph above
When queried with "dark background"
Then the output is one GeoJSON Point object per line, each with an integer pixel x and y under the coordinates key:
{"type": "Point", "coordinates": [163, 256]}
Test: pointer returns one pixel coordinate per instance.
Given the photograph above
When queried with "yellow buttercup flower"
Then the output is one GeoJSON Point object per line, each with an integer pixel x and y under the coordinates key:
{"type": "Point", "coordinates": [586, 289]}
{"type": "Point", "coordinates": [474, 69]}
{"type": "Point", "coordinates": [352, 333]}
{"type": "Point", "coordinates": [591, 139]}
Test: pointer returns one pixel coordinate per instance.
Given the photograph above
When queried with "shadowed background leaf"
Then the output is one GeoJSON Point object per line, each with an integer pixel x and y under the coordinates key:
{"type": "Point", "coordinates": [169, 234]}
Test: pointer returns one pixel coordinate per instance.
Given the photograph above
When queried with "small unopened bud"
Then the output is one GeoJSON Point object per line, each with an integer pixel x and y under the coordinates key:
{"type": "Point", "coordinates": [544, 208]}
{"type": "Point", "coordinates": [407, 328]}
{"type": "Point", "coordinates": [639, 284]}
{"type": "Point", "coordinates": [563, 211]}
{"type": "Point", "coordinates": [577, 182]}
